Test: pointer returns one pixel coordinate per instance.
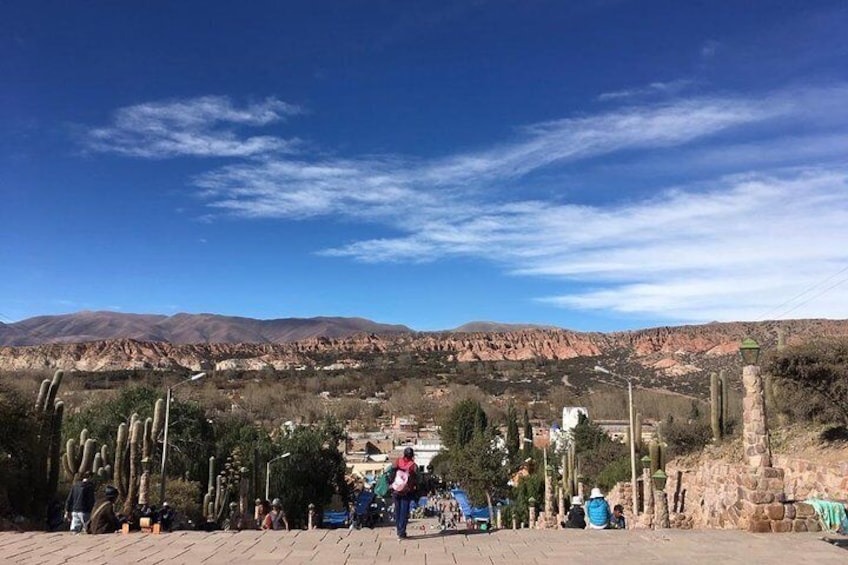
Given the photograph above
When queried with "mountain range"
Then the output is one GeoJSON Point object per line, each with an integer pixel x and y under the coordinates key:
{"type": "Point", "coordinates": [107, 342]}
{"type": "Point", "coordinates": [182, 328]}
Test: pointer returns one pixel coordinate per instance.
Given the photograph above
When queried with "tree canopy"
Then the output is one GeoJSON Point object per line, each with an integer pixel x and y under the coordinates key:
{"type": "Point", "coordinates": [312, 474]}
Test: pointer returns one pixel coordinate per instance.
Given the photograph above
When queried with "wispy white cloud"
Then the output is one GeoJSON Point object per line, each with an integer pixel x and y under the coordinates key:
{"type": "Point", "coordinates": [382, 187]}
{"type": "Point", "coordinates": [727, 247]}
{"type": "Point", "coordinates": [670, 88]}
{"type": "Point", "coordinates": [201, 127]}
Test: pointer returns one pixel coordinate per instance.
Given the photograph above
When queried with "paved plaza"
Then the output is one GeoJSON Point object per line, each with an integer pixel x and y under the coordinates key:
{"type": "Point", "coordinates": [522, 547]}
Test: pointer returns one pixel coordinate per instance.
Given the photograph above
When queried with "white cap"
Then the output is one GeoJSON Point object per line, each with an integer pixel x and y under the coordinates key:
{"type": "Point", "coordinates": [596, 493]}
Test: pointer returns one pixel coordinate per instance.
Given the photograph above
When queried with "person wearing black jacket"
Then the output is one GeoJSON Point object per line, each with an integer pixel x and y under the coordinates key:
{"type": "Point", "coordinates": [80, 503]}
{"type": "Point", "coordinates": [576, 515]}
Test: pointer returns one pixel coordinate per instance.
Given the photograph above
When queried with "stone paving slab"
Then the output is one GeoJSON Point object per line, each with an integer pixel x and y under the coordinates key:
{"type": "Point", "coordinates": [367, 547]}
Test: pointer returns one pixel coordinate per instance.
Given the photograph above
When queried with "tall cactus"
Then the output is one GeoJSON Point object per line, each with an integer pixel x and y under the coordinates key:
{"type": "Point", "coordinates": [715, 406]}
{"type": "Point", "coordinates": [121, 462]}
{"type": "Point", "coordinates": [158, 419]}
{"type": "Point", "coordinates": [134, 454]}
{"type": "Point", "coordinates": [47, 450]}
{"type": "Point", "coordinates": [637, 432]}
{"type": "Point", "coordinates": [55, 449]}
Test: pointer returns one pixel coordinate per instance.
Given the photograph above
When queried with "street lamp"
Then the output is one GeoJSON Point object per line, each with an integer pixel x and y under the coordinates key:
{"type": "Point", "coordinates": [659, 479]}
{"type": "Point", "coordinates": [749, 351]}
{"type": "Point", "coordinates": [268, 473]}
{"type": "Point", "coordinates": [599, 369]}
{"type": "Point", "coordinates": [191, 379]}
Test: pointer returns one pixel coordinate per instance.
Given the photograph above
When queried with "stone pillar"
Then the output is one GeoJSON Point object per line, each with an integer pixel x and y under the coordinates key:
{"type": "Point", "coordinates": [532, 511]}
{"type": "Point", "coordinates": [549, 495]}
{"type": "Point", "coordinates": [311, 517]}
{"type": "Point", "coordinates": [561, 503]}
{"type": "Point", "coordinates": [499, 519]}
{"type": "Point", "coordinates": [755, 431]}
{"type": "Point", "coordinates": [661, 513]}
{"type": "Point", "coordinates": [649, 497]}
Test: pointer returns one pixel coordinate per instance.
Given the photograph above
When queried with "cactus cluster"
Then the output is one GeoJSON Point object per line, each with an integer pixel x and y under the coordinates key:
{"type": "Point", "coordinates": [134, 447]}
{"type": "Point", "coordinates": [230, 484]}
{"type": "Point", "coordinates": [84, 457]}
{"type": "Point", "coordinates": [718, 404]}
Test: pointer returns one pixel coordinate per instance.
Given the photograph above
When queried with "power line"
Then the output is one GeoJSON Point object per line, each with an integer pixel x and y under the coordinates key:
{"type": "Point", "coordinates": [824, 291]}
{"type": "Point", "coordinates": [806, 291]}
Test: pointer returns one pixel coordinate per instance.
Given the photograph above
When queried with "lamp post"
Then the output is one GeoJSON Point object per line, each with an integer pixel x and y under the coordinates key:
{"type": "Point", "coordinates": [755, 431]}
{"type": "Point", "coordinates": [192, 378]}
{"type": "Point", "coordinates": [661, 500]}
{"type": "Point", "coordinates": [599, 369]}
{"type": "Point", "coordinates": [268, 473]}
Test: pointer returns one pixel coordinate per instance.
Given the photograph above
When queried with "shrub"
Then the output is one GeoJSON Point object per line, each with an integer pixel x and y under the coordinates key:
{"type": "Point", "coordinates": [686, 437]}
{"type": "Point", "coordinates": [812, 381]}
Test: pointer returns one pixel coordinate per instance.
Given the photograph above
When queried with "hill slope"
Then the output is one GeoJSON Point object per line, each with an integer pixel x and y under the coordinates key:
{"type": "Point", "coordinates": [182, 328]}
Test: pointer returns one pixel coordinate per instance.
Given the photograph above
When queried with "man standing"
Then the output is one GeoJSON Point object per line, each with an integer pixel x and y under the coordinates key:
{"type": "Point", "coordinates": [403, 489]}
{"type": "Point", "coordinates": [80, 503]}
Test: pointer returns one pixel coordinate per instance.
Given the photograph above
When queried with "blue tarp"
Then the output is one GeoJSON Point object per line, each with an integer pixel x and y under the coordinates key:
{"type": "Point", "coordinates": [332, 518]}
{"type": "Point", "coordinates": [468, 511]}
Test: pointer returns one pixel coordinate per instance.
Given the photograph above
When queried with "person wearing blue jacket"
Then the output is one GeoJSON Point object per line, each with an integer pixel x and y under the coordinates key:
{"type": "Point", "coordinates": [597, 511]}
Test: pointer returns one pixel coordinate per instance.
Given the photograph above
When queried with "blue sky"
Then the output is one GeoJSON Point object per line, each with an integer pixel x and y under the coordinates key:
{"type": "Point", "coordinates": [595, 165]}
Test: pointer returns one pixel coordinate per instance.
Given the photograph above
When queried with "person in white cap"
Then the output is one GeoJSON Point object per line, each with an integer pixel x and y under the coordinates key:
{"type": "Point", "coordinates": [598, 511]}
{"type": "Point", "coordinates": [576, 515]}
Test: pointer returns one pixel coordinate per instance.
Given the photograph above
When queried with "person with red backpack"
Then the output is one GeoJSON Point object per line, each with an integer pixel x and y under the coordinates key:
{"type": "Point", "coordinates": [403, 483]}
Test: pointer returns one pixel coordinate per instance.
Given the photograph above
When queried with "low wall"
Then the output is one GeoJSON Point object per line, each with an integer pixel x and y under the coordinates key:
{"type": "Point", "coordinates": [806, 479]}
{"type": "Point", "coordinates": [718, 494]}
{"type": "Point", "coordinates": [708, 491]}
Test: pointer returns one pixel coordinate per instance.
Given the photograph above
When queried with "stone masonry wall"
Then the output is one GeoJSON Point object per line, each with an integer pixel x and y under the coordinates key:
{"type": "Point", "coordinates": [735, 496]}
{"type": "Point", "coordinates": [806, 479]}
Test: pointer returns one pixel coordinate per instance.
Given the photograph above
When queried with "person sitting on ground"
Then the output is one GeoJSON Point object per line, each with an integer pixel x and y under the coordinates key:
{"type": "Point", "coordinates": [166, 517]}
{"type": "Point", "coordinates": [263, 513]}
{"type": "Point", "coordinates": [234, 520]}
{"type": "Point", "coordinates": [598, 510]}
{"type": "Point", "coordinates": [617, 521]}
{"type": "Point", "coordinates": [276, 518]}
{"type": "Point", "coordinates": [576, 518]}
{"type": "Point", "coordinates": [80, 503]}
{"type": "Point", "coordinates": [104, 520]}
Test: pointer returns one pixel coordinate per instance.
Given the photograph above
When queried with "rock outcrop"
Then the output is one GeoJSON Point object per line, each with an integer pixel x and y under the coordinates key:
{"type": "Point", "coordinates": [670, 351]}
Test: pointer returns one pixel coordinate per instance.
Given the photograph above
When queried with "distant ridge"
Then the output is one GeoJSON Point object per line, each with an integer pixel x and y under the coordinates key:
{"type": "Point", "coordinates": [498, 327]}
{"type": "Point", "coordinates": [183, 328]}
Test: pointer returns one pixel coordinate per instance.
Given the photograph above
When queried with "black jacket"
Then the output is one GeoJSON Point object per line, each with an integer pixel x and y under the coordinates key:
{"type": "Point", "coordinates": [81, 497]}
{"type": "Point", "coordinates": [576, 518]}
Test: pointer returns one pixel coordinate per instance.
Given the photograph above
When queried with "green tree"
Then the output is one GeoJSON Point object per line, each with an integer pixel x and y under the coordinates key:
{"type": "Point", "coordinates": [596, 451]}
{"type": "Point", "coordinates": [527, 446]}
{"type": "Point", "coordinates": [313, 473]}
{"type": "Point", "coordinates": [513, 442]}
{"type": "Point", "coordinates": [479, 468]}
{"type": "Point", "coordinates": [465, 419]}
{"type": "Point", "coordinates": [19, 425]}
{"type": "Point", "coordinates": [529, 486]}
